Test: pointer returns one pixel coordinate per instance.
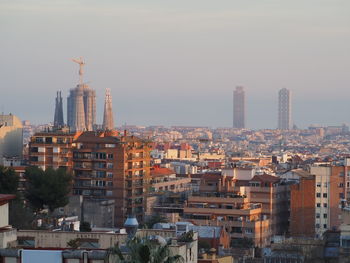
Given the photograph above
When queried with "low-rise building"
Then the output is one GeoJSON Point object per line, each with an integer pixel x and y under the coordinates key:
{"type": "Point", "coordinates": [8, 235]}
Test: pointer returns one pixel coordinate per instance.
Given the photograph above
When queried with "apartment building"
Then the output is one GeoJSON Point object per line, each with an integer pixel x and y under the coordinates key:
{"type": "Point", "coordinates": [302, 207]}
{"type": "Point", "coordinates": [274, 196]}
{"type": "Point", "coordinates": [323, 193]}
{"type": "Point", "coordinates": [104, 166]}
{"type": "Point", "coordinates": [165, 179]}
{"type": "Point", "coordinates": [330, 190]}
{"type": "Point", "coordinates": [52, 149]}
{"type": "Point", "coordinates": [113, 167]}
{"type": "Point", "coordinates": [240, 218]}
{"type": "Point", "coordinates": [11, 137]}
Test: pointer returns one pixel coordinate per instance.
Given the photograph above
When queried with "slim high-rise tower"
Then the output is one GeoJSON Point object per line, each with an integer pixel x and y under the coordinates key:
{"type": "Point", "coordinates": [81, 105]}
{"type": "Point", "coordinates": [284, 109]}
{"type": "Point", "coordinates": [58, 118]}
{"type": "Point", "coordinates": [239, 108]}
{"type": "Point", "coordinates": [108, 123]}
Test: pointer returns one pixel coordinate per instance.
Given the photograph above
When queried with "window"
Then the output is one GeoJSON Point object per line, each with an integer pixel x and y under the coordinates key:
{"type": "Point", "coordinates": [317, 215]}
{"type": "Point", "coordinates": [318, 194]}
{"type": "Point", "coordinates": [325, 226]}
{"type": "Point", "coordinates": [109, 175]}
{"type": "Point", "coordinates": [56, 149]}
{"type": "Point", "coordinates": [324, 204]}
{"type": "Point", "coordinates": [41, 149]}
{"type": "Point", "coordinates": [325, 184]}
{"type": "Point", "coordinates": [100, 174]}
{"type": "Point", "coordinates": [39, 139]}
{"type": "Point", "coordinates": [348, 184]}
{"type": "Point", "coordinates": [318, 184]}
{"type": "Point", "coordinates": [109, 165]}
{"type": "Point", "coordinates": [100, 183]}
{"type": "Point", "coordinates": [341, 195]}
{"type": "Point", "coordinates": [324, 215]}
{"type": "Point", "coordinates": [110, 156]}
{"type": "Point", "coordinates": [325, 195]}
{"type": "Point", "coordinates": [318, 204]}
{"type": "Point", "coordinates": [110, 145]}
{"type": "Point", "coordinates": [341, 185]}
{"type": "Point", "coordinates": [248, 230]}
{"type": "Point", "coordinates": [317, 225]}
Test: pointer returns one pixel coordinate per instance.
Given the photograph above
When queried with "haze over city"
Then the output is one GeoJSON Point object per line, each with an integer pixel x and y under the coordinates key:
{"type": "Point", "coordinates": [177, 63]}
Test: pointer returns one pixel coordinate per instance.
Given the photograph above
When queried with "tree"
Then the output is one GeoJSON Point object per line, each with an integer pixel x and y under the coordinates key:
{"type": "Point", "coordinates": [146, 251]}
{"type": "Point", "coordinates": [186, 237]}
{"type": "Point", "coordinates": [85, 227]}
{"type": "Point", "coordinates": [154, 219]}
{"type": "Point", "coordinates": [8, 181]}
{"type": "Point", "coordinates": [47, 188]}
{"type": "Point", "coordinates": [74, 243]}
{"type": "Point", "coordinates": [20, 216]}
{"type": "Point", "coordinates": [203, 244]}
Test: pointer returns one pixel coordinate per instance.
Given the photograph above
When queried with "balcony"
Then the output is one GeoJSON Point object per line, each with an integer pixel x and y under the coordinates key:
{"type": "Point", "coordinates": [223, 211]}
{"type": "Point", "coordinates": [82, 166]}
{"type": "Point", "coordinates": [217, 200]}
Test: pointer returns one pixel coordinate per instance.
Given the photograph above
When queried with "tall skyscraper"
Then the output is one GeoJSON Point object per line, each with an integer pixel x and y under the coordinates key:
{"type": "Point", "coordinates": [108, 123]}
{"type": "Point", "coordinates": [81, 105]}
{"type": "Point", "coordinates": [239, 108]}
{"type": "Point", "coordinates": [58, 118]}
{"type": "Point", "coordinates": [284, 109]}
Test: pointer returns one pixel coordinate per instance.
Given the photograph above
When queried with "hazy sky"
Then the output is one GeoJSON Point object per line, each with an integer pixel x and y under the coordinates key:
{"type": "Point", "coordinates": [177, 62]}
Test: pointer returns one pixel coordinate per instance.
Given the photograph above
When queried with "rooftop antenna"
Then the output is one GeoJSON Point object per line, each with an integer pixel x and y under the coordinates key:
{"type": "Point", "coordinates": [81, 63]}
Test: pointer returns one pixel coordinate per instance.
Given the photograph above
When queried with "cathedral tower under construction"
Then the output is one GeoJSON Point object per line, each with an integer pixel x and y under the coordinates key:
{"type": "Point", "coordinates": [81, 105]}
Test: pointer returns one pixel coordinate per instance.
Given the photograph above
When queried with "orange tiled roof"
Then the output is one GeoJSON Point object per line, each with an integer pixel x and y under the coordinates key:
{"type": "Point", "coordinates": [161, 172]}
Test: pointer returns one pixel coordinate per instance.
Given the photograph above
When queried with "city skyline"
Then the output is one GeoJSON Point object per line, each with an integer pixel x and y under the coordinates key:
{"type": "Point", "coordinates": [189, 53]}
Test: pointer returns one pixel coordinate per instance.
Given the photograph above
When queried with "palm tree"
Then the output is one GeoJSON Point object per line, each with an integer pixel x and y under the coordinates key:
{"type": "Point", "coordinates": [144, 251]}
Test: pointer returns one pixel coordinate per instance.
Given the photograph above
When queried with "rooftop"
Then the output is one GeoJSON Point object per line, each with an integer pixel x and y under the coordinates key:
{"type": "Point", "coordinates": [5, 198]}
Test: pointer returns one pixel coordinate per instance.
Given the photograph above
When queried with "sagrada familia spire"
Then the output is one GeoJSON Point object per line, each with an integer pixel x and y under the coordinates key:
{"type": "Point", "coordinates": [58, 118]}
{"type": "Point", "coordinates": [108, 123]}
